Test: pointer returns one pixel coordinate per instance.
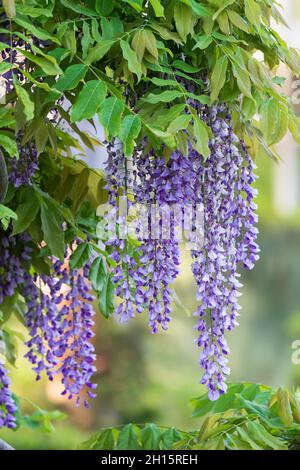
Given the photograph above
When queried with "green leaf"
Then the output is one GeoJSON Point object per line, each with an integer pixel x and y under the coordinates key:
{"type": "Point", "coordinates": [98, 274]}
{"type": "Point", "coordinates": [132, 59]}
{"type": "Point", "coordinates": [181, 65]}
{"type": "Point", "coordinates": [89, 100]}
{"type": "Point", "coordinates": [249, 107]}
{"type": "Point", "coordinates": [50, 67]}
{"type": "Point", "coordinates": [130, 129]}
{"type": "Point", "coordinates": [225, 4]}
{"type": "Point", "coordinates": [81, 255]}
{"type": "Point", "coordinates": [5, 215]}
{"type": "Point", "coordinates": [274, 120]}
{"type": "Point", "coordinates": [164, 97]}
{"type": "Point", "coordinates": [165, 137]}
{"type": "Point", "coordinates": [52, 229]}
{"type": "Point", "coordinates": [284, 407]}
{"type": "Point", "coordinates": [105, 441]}
{"type": "Point", "coordinates": [203, 42]}
{"type": "Point", "coordinates": [9, 8]}
{"type": "Point", "coordinates": [158, 8]}
{"type": "Point", "coordinates": [202, 138]}
{"type": "Point", "coordinates": [105, 7]}
{"type": "Point", "coordinates": [243, 79]}
{"type": "Point", "coordinates": [246, 438]}
{"type": "Point", "coordinates": [23, 96]}
{"type": "Point", "coordinates": [9, 145]}
{"type": "Point", "coordinates": [79, 8]}
{"type": "Point", "coordinates": [200, 9]}
{"type": "Point", "coordinates": [106, 298]}
{"type": "Point", "coordinates": [127, 439]}
{"type": "Point", "coordinates": [218, 77]}
{"type": "Point", "coordinates": [237, 20]}
{"type": "Point", "coordinates": [166, 33]}
{"type": "Point", "coordinates": [253, 12]}
{"type": "Point", "coordinates": [26, 212]}
{"type": "Point", "coordinates": [294, 127]}
{"type": "Point", "coordinates": [86, 39]}
{"type": "Point", "coordinates": [4, 67]}
{"type": "Point", "coordinates": [138, 44]}
{"type": "Point", "coordinates": [136, 4]}
{"type": "Point", "coordinates": [170, 437]}
{"type": "Point", "coordinates": [150, 437]}
{"type": "Point", "coordinates": [167, 116]}
{"type": "Point", "coordinates": [110, 115]}
{"type": "Point", "coordinates": [260, 434]}
{"type": "Point", "coordinates": [71, 77]}
{"type": "Point", "coordinates": [36, 31]}
{"type": "Point", "coordinates": [98, 52]}
{"type": "Point", "coordinates": [150, 43]}
{"type": "Point", "coordinates": [184, 20]}
{"type": "Point", "coordinates": [181, 122]}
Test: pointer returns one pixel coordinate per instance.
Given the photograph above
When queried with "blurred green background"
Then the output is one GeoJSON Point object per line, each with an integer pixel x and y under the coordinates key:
{"type": "Point", "coordinates": [144, 377]}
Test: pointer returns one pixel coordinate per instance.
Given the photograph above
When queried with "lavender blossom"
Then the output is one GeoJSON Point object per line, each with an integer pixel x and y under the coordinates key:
{"type": "Point", "coordinates": [8, 407]}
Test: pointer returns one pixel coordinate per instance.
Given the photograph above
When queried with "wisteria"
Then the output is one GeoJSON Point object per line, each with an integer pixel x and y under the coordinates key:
{"type": "Point", "coordinates": [59, 316]}
{"type": "Point", "coordinates": [230, 233]}
{"type": "Point", "coordinates": [223, 185]}
{"type": "Point", "coordinates": [22, 168]}
{"type": "Point", "coordinates": [8, 407]}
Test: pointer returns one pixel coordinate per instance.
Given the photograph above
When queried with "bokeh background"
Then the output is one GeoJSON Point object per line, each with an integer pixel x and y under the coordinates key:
{"type": "Point", "coordinates": [146, 378]}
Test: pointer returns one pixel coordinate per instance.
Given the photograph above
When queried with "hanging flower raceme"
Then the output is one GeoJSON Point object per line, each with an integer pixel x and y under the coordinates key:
{"type": "Point", "coordinates": [224, 185]}
{"type": "Point", "coordinates": [8, 407]}
{"type": "Point", "coordinates": [161, 186]}
{"type": "Point", "coordinates": [126, 274]}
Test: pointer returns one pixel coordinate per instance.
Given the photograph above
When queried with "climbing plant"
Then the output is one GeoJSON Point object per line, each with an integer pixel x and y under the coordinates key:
{"type": "Point", "coordinates": [188, 95]}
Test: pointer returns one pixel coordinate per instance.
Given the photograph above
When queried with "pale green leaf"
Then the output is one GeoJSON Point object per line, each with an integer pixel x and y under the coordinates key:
{"type": "Point", "coordinates": [132, 59]}
{"type": "Point", "coordinates": [158, 8]}
{"type": "Point", "coordinates": [71, 77]}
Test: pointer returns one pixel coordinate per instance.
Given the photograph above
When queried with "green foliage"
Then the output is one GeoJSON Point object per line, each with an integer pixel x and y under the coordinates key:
{"type": "Point", "coordinates": [248, 417]}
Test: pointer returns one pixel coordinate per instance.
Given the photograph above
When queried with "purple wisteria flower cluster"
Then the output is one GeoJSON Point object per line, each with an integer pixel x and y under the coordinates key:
{"type": "Point", "coordinates": [230, 240]}
{"type": "Point", "coordinates": [21, 170]}
{"type": "Point", "coordinates": [8, 407]}
{"type": "Point", "coordinates": [222, 183]}
{"type": "Point", "coordinates": [59, 315]}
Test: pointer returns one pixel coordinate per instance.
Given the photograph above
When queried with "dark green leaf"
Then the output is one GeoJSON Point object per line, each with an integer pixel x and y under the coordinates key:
{"type": "Point", "coordinates": [89, 100]}
{"type": "Point", "coordinates": [127, 439]}
{"type": "Point", "coordinates": [106, 298]}
{"type": "Point", "coordinates": [71, 77]}
{"type": "Point", "coordinates": [150, 437]}
{"type": "Point", "coordinates": [81, 255]}
{"type": "Point", "coordinates": [98, 274]}
{"type": "Point", "coordinates": [52, 229]}
{"type": "Point", "coordinates": [26, 212]}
